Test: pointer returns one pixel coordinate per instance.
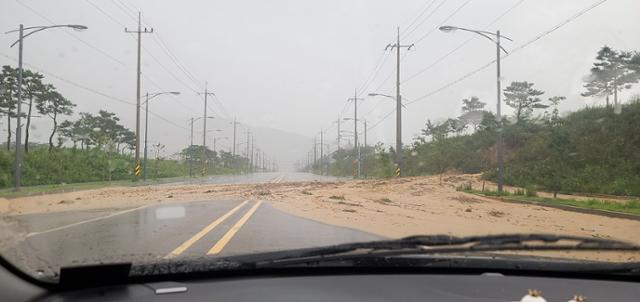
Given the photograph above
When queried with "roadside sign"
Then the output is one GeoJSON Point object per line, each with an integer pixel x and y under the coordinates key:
{"type": "Point", "coordinates": [137, 170]}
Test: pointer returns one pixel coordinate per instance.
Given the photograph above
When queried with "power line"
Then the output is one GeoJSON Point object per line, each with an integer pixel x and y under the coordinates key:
{"type": "Point", "coordinates": [175, 59]}
{"type": "Point", "coordinates": [105, 13]}
{"type": "Point", "coordinates": [72, 35]}
{"type": "Point", "coordinates": [440, 59]}
{"type": "Point", "coordinates": [417, 17]}
{"type": "Point", "coordinates": [381, 120]}
{"type": "Point", "coordinates": [456, 11]}
{"type": "Point", "coordinates": [130, 11]}
{"type": "Point", "coordinates": [469, 74]}
{"type": "Point", "coordinates": [89, 89]}
{"type": "Point", "coordinates": [390, 74]}
{"type": "Point", "coordinates": [148, 78]}
{"type": "Point", "coordinates": [181, 66]}
{"type": "Point", "coordinates": [522, 46]}
{"type": "Point", "coordinates": [427, 18]}
{"type": "Point", "coordinates": [126, 10]}
{"type": "Point", "coordinates": [168, 71]}
{"type": "Point", "coordinates": [374, 72]}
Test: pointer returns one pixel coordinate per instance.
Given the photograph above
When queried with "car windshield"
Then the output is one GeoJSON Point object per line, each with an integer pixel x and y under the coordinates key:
{"type": "Point", "coordinates": [157, 131]}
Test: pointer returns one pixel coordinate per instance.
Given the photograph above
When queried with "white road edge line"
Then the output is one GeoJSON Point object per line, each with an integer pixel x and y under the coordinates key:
{"type": "Point", "coordinates": [85, 221]}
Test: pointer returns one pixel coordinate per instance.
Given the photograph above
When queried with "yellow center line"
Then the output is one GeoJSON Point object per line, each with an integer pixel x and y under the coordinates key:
{"type": "Point", "coordinates": [278, 179]}
{"type": "Point", "coordinates": [179, 250]}
{"type": "Point", "coordinates": [217, 248]}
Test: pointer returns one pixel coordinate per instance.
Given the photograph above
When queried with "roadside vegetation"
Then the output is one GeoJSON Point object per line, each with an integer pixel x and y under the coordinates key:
{"type": "Point", "coordinates": [93, 147]}
{"type": "Point", "coordinates": [631, 206]}
{"type": "Point", "coordinates": [591, 150]}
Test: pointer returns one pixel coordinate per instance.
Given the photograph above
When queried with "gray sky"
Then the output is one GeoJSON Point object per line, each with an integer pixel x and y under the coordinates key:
{"type": "Point", "coordinates": [291, 65]}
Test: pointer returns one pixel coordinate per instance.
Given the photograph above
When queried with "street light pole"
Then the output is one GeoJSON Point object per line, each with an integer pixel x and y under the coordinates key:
{"type": "Point", "coordinates": [356, 147]}
{"type": "Point", "coordinates": [20, 42]}
{"type": "Point", "coordinates": [189, 151]}
{"type": "Point", "coordinates": [499, 139]}
{"type": "Point", "coordinates": [146, 127]}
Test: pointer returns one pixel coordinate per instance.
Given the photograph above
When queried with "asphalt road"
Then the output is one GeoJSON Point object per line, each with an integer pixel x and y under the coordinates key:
{"type": "Point", "coordinates": [190, 229]}
{"type": "Point", "coordinates": [257, 178]}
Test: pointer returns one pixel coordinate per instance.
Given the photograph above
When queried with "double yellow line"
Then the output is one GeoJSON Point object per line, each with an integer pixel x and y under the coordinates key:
{"type": "Point", "coordinates": [218, 246]}
{"type": "Point", "coordinates": [278, 179]}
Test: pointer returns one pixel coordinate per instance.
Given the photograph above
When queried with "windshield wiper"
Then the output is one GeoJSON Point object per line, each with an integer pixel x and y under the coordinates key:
{"type": "Point", "coordinates": [445, 244]}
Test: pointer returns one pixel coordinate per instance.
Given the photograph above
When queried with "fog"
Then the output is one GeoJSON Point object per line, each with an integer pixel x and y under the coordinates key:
{"type": "Point", "coordinates": [290, 66]}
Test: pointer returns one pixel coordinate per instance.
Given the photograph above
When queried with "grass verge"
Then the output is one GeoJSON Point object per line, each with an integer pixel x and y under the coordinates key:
{"type": "Point", "coordinates": [626, 207]}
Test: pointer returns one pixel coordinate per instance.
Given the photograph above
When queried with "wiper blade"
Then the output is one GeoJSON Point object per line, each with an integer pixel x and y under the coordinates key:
{"type": "Point", "coordinates": [442, 244]}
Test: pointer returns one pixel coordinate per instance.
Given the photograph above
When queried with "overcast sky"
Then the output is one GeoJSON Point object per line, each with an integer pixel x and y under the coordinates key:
{"type": "Point", "coordinates": [291, 65]}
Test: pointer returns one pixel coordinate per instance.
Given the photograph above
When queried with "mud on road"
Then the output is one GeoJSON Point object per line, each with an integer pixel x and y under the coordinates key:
{"type": "Point", "coordinates": [391, 208]}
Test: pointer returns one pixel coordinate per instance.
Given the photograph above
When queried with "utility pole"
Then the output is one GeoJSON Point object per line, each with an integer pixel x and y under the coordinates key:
{"type": "Point", "coordinates": [234, 136]}
{"type": "Point", "coordinates": [18, 162]}
{"type": "Point", "coordinates": [253, 144]}
{"type": "Point", "coordinates": [365, 134]}
{"type": "Point", "coordinates": [315, 151]}
{"type": "Point", "coordinates": [321, 152]}
{"type": "Point", "coordinates": [399, 160]}
{"type": "Point", "coordinates": [365, 148]}
{"type": "Point", "coordinates": [356, 147]}
{"type": "Point", "coordinates": [136, 169]}
{"type": "Point", "coordinates": [339, 133]}
{"type": "Point", "coordinates": [258, 157]}
{"type": "Point", "coordinates": [248, 163]}
{"type": "Point", "coordinates": [189, 151]}
{"type": "Point", "coordinates": [499, 157]}
{"type": "Point", "coordinates": [204, 131]}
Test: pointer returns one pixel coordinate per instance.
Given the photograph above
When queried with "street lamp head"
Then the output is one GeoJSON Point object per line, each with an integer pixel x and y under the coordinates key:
{"type": "Point", "coordinates": [447, 28]}
{"type": "Point", "coordinates": [175, 92]}
{"type": "Point", "coordinates": [77, 27]}
{"type": "Point", "coordinates": [372, 94]}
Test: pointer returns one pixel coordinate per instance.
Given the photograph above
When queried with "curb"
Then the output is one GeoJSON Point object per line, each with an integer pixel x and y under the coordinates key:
{"type": "Point", "coordinates": [568, 208]}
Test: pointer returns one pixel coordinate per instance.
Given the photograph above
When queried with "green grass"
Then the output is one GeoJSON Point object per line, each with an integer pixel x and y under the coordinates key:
{"type": "Point", "coordinates": [627, 207]}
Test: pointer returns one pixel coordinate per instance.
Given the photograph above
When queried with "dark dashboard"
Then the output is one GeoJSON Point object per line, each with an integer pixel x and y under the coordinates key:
{"type": "Point", "coordinates": [486, 286]}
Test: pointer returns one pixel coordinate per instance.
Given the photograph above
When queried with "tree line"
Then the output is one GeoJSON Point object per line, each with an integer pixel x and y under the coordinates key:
{"type": "Point", "coordinates": [590, 150]}
{"type": "Point", "coordinates": [91, 147]}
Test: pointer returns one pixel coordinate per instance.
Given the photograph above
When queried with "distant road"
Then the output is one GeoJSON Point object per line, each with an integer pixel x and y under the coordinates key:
{"type": "Point", "coordinates": [266, 177]}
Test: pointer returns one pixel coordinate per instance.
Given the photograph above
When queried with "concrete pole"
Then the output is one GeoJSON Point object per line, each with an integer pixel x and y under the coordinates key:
{"type": "Point", "coordinates": [234, 137]}
{"type": "Point", "coordinates": [398, 109]}
{"type": "Point", "coordinates": [146, 136]}
{"type": "Point", "coordinates": [321, 152]}
{"type": "Point", "coordinates": [18, 160]}
{"type": "Point", "coordinates": [204, 134]}
{"type": "Point", "coordinates": [499, 158]}
{"type": "Point", "coordinates": [189, 149]}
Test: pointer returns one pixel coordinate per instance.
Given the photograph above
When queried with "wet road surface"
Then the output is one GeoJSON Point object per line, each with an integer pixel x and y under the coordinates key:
{"type": "Point", "coordinates": [268, 177]}
{"type": "Point", "coordinates": [197, 228]}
